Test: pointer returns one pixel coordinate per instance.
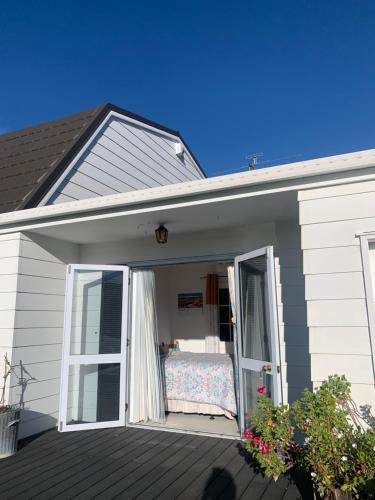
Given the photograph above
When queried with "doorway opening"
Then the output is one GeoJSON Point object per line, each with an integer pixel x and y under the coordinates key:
{"type": "Point", "coordinates": [193, 334]}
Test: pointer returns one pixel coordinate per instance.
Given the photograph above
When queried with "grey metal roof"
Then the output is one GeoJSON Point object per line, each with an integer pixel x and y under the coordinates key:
{"type": "Point", "coordinates": [32, 159]}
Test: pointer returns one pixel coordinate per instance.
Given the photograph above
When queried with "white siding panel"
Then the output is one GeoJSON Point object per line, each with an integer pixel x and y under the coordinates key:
{"type": "Point", "coordinates": [338, 208]}
{"type": "Point", "coordinates": [347, 312]}
{"type": "Point", "coordinates": [8, 265]}
{"type": "Point", "coordinates": [332, 260]}
{"type": "Point", "coordinates": [38, 321]}
{"type": "Point", "coordinates": [335, 286]}
{"type": "Point", "coordinates": [48, 285]}
{"type": "Point", "coordinates": [334, 234]}
{"type": "Point", "coordinates": [357, 369]}
{"type": "Point", "coordinates": [34, 267]}
{"type": "Point", "coordinates": [339, 340]}
{"type": "Point", "coordinates": [331, 219]}
{"type": "Point", "coordinates": [38, 354]}
{"type": "Point", "coordinates": [7, 319]}
{"type": "Point", "coordinates": [339, 190]}
{"type": "Point", "coordinates": [7, 301]}
{"type": "Point", "coordinates": [34, 301]}
{"type": "Point", "coordinates": [8, 283]}
{"type": "Point", "coordinates": [37, 336]}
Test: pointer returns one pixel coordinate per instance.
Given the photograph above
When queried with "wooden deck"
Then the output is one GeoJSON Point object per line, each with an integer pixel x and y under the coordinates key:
{"type": "Point", "coordinates": [134, 463]}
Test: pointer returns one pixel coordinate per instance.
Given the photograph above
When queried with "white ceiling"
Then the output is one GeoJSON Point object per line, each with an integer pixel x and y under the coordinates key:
{"type": "Point", "coordinates": [212, 215]}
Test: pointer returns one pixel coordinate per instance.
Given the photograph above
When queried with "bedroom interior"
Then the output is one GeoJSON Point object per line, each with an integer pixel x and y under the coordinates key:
{"type": "Point", "coordinates": [181, 369]}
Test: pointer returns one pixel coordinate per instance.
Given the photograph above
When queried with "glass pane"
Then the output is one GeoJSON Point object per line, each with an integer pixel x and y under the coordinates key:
{"type": "Point", "coordinates": [251, 382]}
{"type": "Point", "coordinates": [93, 393]}
{"type": "Point", "coordinates": [96, 312]}
{"type": "Point", "coordinates": [255, 328]}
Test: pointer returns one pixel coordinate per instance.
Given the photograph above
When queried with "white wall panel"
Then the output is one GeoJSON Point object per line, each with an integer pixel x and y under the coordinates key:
{"type": "Point", "coordinates": [335, 286]}
{"type": "Point", "coordinates": [39, 316]}
{"type": "Point", "coordinates": [339, 340]}
{"type": "Point", "coordinates": [345, 312]}
{"type": "Point", "coordinates": [335, 234]}
{"type": "Point", "coordinates": [332, 260]}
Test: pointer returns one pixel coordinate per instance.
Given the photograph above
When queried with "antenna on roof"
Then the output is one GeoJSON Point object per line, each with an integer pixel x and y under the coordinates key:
{"type": "Point", "coordinates": [253, 160]}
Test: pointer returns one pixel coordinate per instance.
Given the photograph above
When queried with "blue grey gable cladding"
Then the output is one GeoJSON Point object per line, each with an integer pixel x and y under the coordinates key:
{"type": "Point", "coordinates": [125, 156]}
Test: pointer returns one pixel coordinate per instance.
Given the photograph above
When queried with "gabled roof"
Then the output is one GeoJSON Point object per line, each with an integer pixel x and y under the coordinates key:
{"type": "Point", "coordinates": [32, 159]}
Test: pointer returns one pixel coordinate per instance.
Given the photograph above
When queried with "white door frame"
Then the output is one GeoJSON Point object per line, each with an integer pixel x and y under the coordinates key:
{"type": "Point", "coordinates": [271, 304]}
{"type": "Point", "coordinates": [68, 359]}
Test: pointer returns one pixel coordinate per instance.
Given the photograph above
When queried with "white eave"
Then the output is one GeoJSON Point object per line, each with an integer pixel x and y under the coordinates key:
{"type": "Point", "coordinates": [280, 175]}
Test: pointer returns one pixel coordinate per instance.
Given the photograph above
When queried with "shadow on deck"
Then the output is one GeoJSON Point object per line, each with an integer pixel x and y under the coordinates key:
{"type": "Point", "coordinates": [135, 463]}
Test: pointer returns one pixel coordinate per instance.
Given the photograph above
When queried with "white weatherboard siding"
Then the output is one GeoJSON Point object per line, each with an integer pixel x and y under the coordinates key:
{"type": "Point", "coordinates": [337, 317]}
{"type": "Point", "coordinates": [9, 264]}
{"type": "Point", "coordinates": [291, 311]}
{"type": "Point", "coordinates": [124, 157]}
{"type": "Point", "coordinates": [38, 328]}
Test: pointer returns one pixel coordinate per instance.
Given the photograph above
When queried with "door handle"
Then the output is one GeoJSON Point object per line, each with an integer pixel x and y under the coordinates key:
{"type": "Point", "coordinates": [267, 368]}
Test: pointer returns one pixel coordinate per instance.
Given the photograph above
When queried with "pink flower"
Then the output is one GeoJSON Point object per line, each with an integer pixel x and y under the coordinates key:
{"type": "Point", "coordinates": [256, 440]}
{"type": "Point", "coordinates": [261, 389]}
{"type": "Point", "coordinates": [248, 434]}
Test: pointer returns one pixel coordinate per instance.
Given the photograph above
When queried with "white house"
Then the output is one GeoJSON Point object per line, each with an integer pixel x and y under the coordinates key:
{"type": "Point", "coordinates": [91, 303]}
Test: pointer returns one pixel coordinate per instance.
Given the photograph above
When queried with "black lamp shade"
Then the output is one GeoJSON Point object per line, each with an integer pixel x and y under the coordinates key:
{"type": "Point", "coordinates": [161, 234]}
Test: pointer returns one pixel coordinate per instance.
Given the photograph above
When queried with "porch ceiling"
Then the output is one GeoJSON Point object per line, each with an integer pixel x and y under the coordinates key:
{"type": "Point", "coordinates": [208, 214]}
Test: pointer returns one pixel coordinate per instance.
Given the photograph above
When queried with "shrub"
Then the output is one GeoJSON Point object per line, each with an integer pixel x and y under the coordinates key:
{"type": "Point", "coordinates": [334, 448]}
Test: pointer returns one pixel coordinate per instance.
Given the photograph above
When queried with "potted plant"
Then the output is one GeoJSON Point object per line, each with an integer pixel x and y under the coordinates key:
{"type": "Point", "coordinates": [9, 418]}
{"type": "Point", "coordinates": [333, 446]}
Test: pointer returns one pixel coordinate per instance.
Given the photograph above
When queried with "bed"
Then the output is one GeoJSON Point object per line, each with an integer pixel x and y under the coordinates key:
{"type": "Point", "coordinates": [199, 383]}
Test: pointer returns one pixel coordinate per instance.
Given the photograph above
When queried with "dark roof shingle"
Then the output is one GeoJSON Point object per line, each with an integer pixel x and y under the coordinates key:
{"type": "Point", "coordinates": [30, 156]}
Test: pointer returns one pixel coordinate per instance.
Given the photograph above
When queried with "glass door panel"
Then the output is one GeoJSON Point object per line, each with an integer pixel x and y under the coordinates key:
{"type": "Point", "coordinates": [93, 373]}
{"type": "Point", "coordinates": [258, 341]}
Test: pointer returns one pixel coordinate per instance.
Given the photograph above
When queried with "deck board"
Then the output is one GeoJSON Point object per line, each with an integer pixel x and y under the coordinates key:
{"type": "Point", "coordinates": [129, 463]}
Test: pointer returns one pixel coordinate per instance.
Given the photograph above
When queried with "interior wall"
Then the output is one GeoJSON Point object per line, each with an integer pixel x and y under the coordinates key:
{"type": "Point", "coordinates": [238, 239]}
{"type": "Point", "coordinates": [188, 326]}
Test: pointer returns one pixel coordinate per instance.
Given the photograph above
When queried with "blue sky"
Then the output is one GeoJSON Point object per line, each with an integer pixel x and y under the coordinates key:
{"type": "Point", "coordinates": [291, 79]}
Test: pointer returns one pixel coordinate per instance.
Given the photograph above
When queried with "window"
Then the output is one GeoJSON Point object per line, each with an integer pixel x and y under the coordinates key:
{"type": "Point", "coordinates": [225, 316]}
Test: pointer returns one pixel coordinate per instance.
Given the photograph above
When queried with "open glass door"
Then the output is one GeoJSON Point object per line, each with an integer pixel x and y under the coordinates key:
{"type": "Point", "coordinates": [257, 330]}
{"type": "Point", "coordinates": [94, 349]}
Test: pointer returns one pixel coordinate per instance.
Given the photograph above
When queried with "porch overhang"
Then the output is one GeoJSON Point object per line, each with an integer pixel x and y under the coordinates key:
{"type": "Point", "coordinates": [258, 196]}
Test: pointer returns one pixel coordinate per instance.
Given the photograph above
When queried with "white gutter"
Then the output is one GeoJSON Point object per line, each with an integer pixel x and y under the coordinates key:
{"type": "Point", "coordinates": [287, 172]}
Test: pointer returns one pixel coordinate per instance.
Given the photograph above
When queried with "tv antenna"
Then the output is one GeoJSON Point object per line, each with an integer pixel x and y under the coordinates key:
{"type": "Point", "coordinates": [253, 160]}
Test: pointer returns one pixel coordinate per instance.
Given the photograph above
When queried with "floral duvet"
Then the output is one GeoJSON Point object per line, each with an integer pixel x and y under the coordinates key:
{"type": "Point", "coordinates": [201, 378]}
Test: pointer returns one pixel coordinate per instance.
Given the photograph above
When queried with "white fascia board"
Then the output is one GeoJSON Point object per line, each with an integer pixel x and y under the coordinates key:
{"type": "Point", "coordinates": [279, 178]}
{"type": "Point", "coordinates": [93, 138]}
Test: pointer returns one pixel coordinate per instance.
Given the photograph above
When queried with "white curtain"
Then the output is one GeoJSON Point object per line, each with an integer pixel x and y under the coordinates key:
{"type": "Point", "coordinates": [212, 300]}
{"type": "Point", "coordinates": [146, 398]}
{"type": "Point", "coordinates": [213, 340]}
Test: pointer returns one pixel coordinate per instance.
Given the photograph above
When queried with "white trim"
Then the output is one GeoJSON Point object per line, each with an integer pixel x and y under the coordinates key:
{"type": "Point", "coordinates": [69, 359]}
{"type": "Point", "coordinates": [182, 260]}
{"type": "Point", "coordinates": [94, 136]}
{"type": "Point", "coordinates": [253, 364]}
{"type": "Point", "coordinates": [370, 304]}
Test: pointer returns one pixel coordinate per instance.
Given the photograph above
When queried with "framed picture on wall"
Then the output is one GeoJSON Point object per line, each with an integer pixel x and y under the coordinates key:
{"type": "Point", "coordinates": [192, 300]}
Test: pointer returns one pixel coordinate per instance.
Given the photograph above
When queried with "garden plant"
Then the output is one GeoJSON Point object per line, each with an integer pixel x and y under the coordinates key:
{"type": "Point", "coordinates": [321, 433]}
